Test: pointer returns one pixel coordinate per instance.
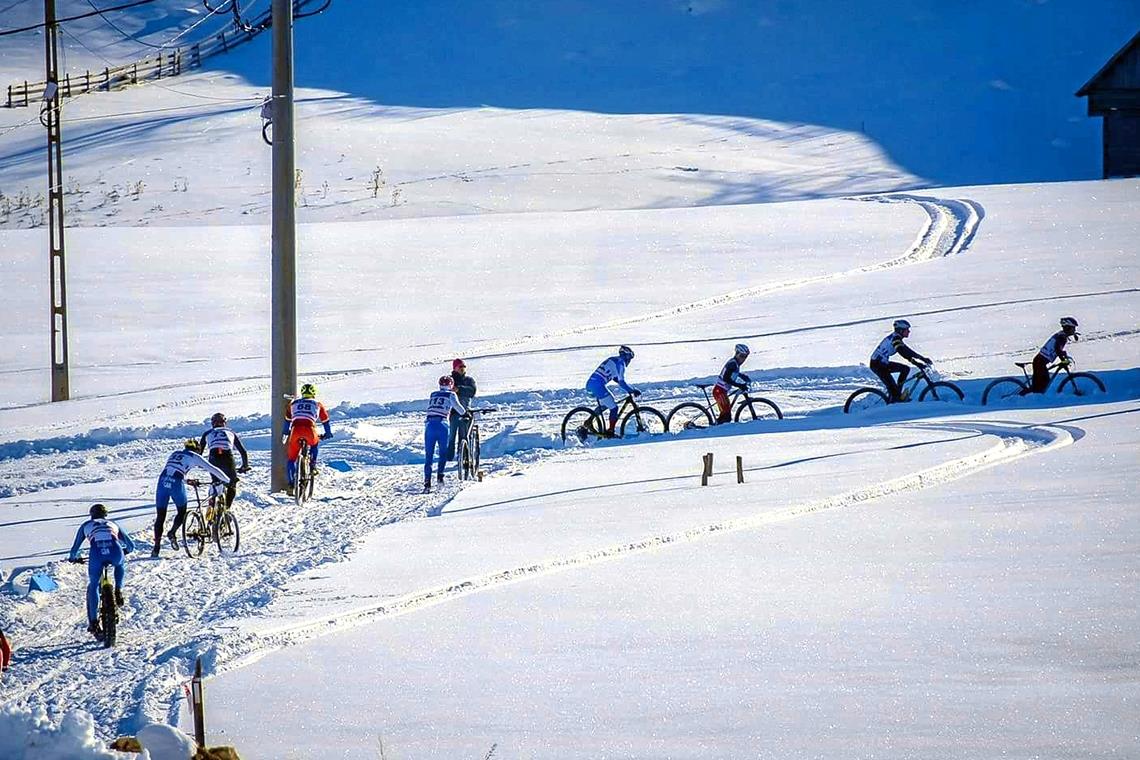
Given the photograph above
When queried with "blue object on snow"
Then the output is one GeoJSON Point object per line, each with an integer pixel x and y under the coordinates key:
{"type": "Point", "coordinates": [41, 582]}
{"type": "Point", "coordinates": [339, 465]}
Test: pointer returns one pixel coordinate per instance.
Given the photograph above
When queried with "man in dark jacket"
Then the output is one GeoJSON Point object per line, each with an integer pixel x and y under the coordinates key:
{"type": "Point", "coordinates": [465, 389]}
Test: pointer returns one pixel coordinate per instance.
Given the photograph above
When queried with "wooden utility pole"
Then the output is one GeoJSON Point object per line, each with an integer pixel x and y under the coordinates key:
{"type": "Point", "coordinates": [49, 115]}
{"type": "Point", "coordinates": [284, 278]}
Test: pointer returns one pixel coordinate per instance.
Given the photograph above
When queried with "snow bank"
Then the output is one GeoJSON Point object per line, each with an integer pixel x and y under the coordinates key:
{"type": "Point", "coordinates": [29, 734]}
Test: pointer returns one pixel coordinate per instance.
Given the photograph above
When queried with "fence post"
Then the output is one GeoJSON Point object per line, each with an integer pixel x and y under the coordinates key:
{"type": "Point", "coordinates": [707, 472]}
{"type": "Point", "coordinates": [198, 705]}
{"type": "Point", "coordinates": [225, 47]}
{"type": "Point", "coordinates": [9, 96]}
{"type": "Point", "coordinates": [106, 80]}
{"type": "Point", "coordinates": [87, 81]}
{"type": "Point", "coordinates": [134, 73]}
{"type": "Point", "coordinates": [25, 92]}
{"type": "Point", "coordinates": [739, 469]}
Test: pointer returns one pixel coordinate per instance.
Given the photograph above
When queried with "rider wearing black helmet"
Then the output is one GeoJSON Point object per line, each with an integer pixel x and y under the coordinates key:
{"type": "Point", "coordinates": [221, 442]}
{"type": "Point", "coordinates": [108, 544]}
{"type": "Point", "coordinates": [1054, 348]}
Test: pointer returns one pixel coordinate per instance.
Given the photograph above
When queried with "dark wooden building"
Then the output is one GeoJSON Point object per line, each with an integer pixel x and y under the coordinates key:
{"type": "Point", "coordinates": [1114, 93]}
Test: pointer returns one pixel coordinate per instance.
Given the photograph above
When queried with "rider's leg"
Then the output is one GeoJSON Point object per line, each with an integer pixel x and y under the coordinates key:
{"type": "Point", "coordinates": [882, 371]}
{"type": "Point", "coordinates": [179, 497]}
{"type": "Point", "coordinates": [441, 441]}
{"type": "Point", "coordinates": [433, 429]}
{"type": "Point", "coordinates": [723, 405]}
{"type": "Point", "coordinates": [94, 576]}
{"type": "Point", "coordinates": [292, 451]}
{"type": "Point", "coordinates": [1040, 374]}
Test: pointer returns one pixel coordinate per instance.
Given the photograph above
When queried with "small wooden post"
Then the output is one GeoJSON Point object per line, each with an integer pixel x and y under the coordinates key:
{"type": "Point", "coordinates": [25, 92]}
{"type": "Point", "coordinates": [67, 80]}
{"type": "Point", "coordinates": [739, 469]}
{"type": "Point", "coordinates": [9, 96]}
{"type": "Point", "coordinates": [198, 705]}
{"type": "Point", "coordinates": [706, 473]}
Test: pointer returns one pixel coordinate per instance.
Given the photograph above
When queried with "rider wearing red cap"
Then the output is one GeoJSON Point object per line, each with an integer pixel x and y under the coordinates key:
{"type": "Point", "coordinates": [465, 390]}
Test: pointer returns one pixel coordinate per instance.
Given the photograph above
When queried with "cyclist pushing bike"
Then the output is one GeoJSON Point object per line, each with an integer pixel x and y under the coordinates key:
{"type": "Point", "coordinates": [730, 376]}
{"type": "Point", "coordinates": [303, 415]}
{"type": "Point", "coordinates": [1054, 348]}
{"type": "Point", "coordinates": [172, 485]}
{"type": "Point", "coordinates": [109, 543]}
{"type": "Point", "coordinates": [221, 442]}
{"type": "Point", "coordinates": [612, 370]}
{"type": "Point", "coordinates": [884, 368]}
{"type": "Point", "coordinates": [441, 404]}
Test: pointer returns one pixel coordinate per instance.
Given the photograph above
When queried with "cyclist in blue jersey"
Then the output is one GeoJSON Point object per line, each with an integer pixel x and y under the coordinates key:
{"type": "Point", "coordinates": [441, 404]}
{"type": "Point", "coordinates": [108, 544]}
{"type": "Point", "coordinates": [612, 370]}
{"type": "Point", "coordinates": [171, 485]}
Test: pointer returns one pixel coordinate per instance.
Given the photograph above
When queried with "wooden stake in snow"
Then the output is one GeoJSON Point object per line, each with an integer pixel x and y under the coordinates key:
{"type": "Point", "coordinates": [739, 469]}
{"type": "Point", "coordinates": [706, 473]}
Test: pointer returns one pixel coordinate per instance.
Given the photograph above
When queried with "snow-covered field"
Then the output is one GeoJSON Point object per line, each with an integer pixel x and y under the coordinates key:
{"type": "Point", "coordinates": [929, 580]}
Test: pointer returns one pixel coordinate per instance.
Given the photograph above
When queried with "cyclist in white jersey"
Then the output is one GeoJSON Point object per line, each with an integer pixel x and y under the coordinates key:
{"type": "Point", "coordinates": [220, 443]}
{"type": "Point", "coordinates": [109, 543]}
{"type": "Point", "coordinates": [884, 368]}
{"type": "Point", "coordinates": [171, 485]}
{"type": "Point", "coordinates": [441, 404]}
{"type": "Point", "coordinates": [1054, 348]}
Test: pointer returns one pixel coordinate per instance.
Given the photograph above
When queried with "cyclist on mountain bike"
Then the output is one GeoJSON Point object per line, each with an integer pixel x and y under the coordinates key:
{"type": "Point", "coordinates": [303, 415]}
{"type": "Point", "coordinates": [441, 404]}
{"type": "Point", "coordinates": [730, 375]}
{"type": "Point", "coordinates": [171, 485]}
{"type": "Point", "coordinates": [884, 368]}
{"type": "Point", "coordinates": [612, 370]}
{"type": "Point", "coordinates": [465, 390]}
{"type": "Point", "coordinates": [108, 544]}
{"type": "Point", "coordinates": [1054, 348]}
{"type": "Point", "coordinates": [220, 441]}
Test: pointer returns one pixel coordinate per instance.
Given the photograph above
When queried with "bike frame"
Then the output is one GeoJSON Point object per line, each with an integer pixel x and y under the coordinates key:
{"type": "Point", "coordinates": [1053, 369]}
{"type": "Point", "coordinates": [734, 396]}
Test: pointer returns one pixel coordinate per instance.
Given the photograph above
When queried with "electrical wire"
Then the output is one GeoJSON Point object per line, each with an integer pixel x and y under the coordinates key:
{"type": "Point", "coordinates": [96, 12]}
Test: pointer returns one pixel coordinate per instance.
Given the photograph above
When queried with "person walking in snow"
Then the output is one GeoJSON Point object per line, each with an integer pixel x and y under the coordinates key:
{"type": "Point", "coordinates": [109, 543]}
{"type": "Point", "coordinates": [465, 390]}
{"type": "Point", "coordinates": [172, 485]}
{"type": "Point", "coordinates": [441, 404]}
{"type": "Point", "coordinates": [884, 368]}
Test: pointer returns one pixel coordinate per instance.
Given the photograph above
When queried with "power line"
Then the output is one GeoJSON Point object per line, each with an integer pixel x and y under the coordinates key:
{"type": "Point", "coordinates": [95, 12]}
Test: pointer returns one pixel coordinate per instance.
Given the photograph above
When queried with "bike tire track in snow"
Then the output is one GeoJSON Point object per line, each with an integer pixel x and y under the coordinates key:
{"type": "Point", "coordinates": [1014, 442]}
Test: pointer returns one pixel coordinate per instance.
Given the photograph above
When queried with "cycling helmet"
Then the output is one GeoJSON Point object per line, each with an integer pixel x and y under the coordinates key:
{"type": "Point", "coordinates": [98, 511]}
{"type": "Point", "coordinates": [901, 324]}
{"type": "Point", "coordinates": [308, 390]}
{"type": "Point", "coordinates": [192, 445]}
{"type": "Point", "coordinates": [218, 420]}
{"type": "Point", "coordinates": [446, 382]}
{"type": "Point", "coordinates": [1069, 322]}
{"type": "Point", "coordinates": [458, 364]}
{"type": "Point", "coordinates": [626, 353]}
{"type": "Point", "coordinates": [742, 349]}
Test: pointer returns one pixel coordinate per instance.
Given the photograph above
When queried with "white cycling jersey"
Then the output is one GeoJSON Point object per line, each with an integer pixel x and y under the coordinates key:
{"type": "Point", "coordinates": [220, 438]}
{"type": "Point", "coordinates": [441, 403]}
{"type": "Point", "coordinates": [181, 462]}
{"type": "Point", "coordinates": [305, 409]}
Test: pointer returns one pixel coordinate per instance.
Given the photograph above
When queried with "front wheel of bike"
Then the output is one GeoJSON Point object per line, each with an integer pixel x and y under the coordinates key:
{"type": "Point", "coordinates": [466, 472]}
{"type": "Point", "coordinates": [756, 408]}
{"type": "Point", "coordinates": [688, 416]}
{"type": "Point", "coordinates": [644, 420]}
{"type": "Point", "coordinates": [864, 400]}
{"type": "Point", "coordinates": [942, 391]}
{"type": "Point", "coordinates": [108, 614]}
{"type": "Point", "coordinates": [194, 534]}
{"type": "Point", "coordinates": [475, 450]}
{"type": "Point", "coordinates": [226, 534]}
{"type": "Point", "coordinates": [1003, 389]}
{"type": "Point", "coordinates": [581, 418]}
{"type": "Point", "coordinates": [1082, 384]}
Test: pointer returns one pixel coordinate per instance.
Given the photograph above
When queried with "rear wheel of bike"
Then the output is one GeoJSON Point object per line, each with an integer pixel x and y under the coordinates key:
{"type": "Point", "coordinates": [644, 420]}
{"type": "Point", "coordinates": [941, 391]}
{"type": "Point", "coordinates": [466, 471]}
{"type": "Point", "coordinates": [475, 450]}
{"type": "Point", "coordinates": [1081, 384]}
{"type": "Point", "coordinates": [756, 408]}
{"type": "Point", "coordinates": [108, 614]}
{"type": "Point", "coordinates": [581, 418]}
{"type": "Point", "coordinates": [865, 399]}
{"type": "Point", "coordinates": [194, 534]}
{"type": "Point", "coordinates": [1002, 389]}
{"type": "Point", "coordinates": [226, 534]}
{"type": "Point", "coordinates": [301, 486]}
{"type": "Point", "coordinates": [688, 416]}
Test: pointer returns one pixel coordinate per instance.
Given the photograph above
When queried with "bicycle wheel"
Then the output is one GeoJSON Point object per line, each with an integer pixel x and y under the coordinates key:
{"type": "Point", "coordinates": [1082, 384]}
{"type": "Point", "coordinates": [688, 416]}
{"type": "Point", "coordinates": [194, 534]}
{"type": "Point", "coordinates": [1002, 389]}
{"type": "Point", "coordinates": [226, 534]}
{"type": "Point", "coordinates": [301, 487]}
{"type": "Point", "coordinates": [108, 614]}
{"type": "Point", "coordinates": [581, 418]}
{"type": "Point", "coordinates": [465, 470]}
{"type": "Point", "coordinates": [865, 399]}
{"type": "Point", "coordinates": [644, 420]}
{"type": "Point", "coordinates": [942, 391]}
{"type": "Point", "coordinates": [475, 450]}
{"type": "Point", "coordinates": [757, 408]}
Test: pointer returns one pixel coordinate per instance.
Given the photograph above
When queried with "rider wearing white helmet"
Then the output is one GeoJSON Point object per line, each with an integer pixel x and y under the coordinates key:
{"type": "Point", "coordinates": [612, 370]}
{"type": "Point", "coordinates": [884, 368]}
{"type": "Point", "coordinates": [730, 376]}
{"type": "Point", "coordinates": [1054, 348]}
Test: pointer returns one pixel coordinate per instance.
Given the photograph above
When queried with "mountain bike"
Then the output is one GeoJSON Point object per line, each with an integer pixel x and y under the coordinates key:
{"type": "Point", "coordinates": [866, 398]}
{"type": "Point", "coordinates": [1076, 383]}
{"type": "Point", "coordinates": [108, 610]}
{"type": "Point", "coordinates": [633, 419]}
{"type": "Point", "coordinates": [469, 447]}
{"type": "Point", "coordinates": [217, 524]}
{"type": "Point", "coordinates": [692, 415]}
{"type": "Point", "coordinates": [303, 487]}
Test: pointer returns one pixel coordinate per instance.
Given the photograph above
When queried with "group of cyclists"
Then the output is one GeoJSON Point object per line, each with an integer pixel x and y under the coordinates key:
{"type": "Point", "coordinates": [447, 420]}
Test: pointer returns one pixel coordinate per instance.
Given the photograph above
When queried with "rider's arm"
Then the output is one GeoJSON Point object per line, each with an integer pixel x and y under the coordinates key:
{"type": "Point", "coordinates": [219, 474]}
{"type": "Point", "coordinates": [241, 450]}
{"type": "Point", "coordinates": [1059, 341]}
{"type": "Point", "coordinates": [910, 355]}
{"type": "Point", "coordinates": [202, 442]}
{"type": "Point", "coordinates": [125, 539]}
{"type": "Point", "coordinates": [79, 537]}
{"type": "Point", "coordinates": [323, 416]}
{"type": "Point", "coordinates": [730, 374]}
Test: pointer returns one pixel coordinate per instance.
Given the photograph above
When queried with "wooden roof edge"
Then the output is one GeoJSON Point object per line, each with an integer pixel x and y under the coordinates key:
{"type": "Point", "coordinates": [1111, 62]}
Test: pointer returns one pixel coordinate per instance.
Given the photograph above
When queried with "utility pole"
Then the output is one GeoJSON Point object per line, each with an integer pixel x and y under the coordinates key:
{"type": "Point", "coordinates": [49, 116]}
{"type": "Point", "coordinates": [284, 305]}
